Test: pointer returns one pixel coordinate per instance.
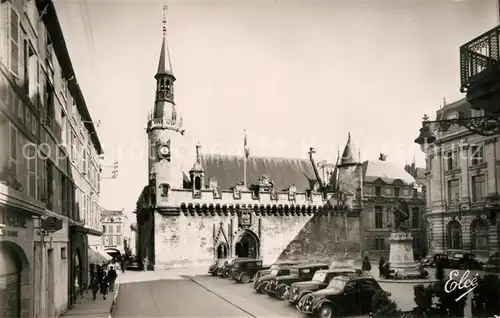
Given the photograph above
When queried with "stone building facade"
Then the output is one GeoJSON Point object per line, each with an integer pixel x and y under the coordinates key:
{"type": "Point", "coordinates": [462, 191]}
{"type": "Point", "coordinates": [117, 233]}
{"type": "Point", "coordinates": [264, 207]}
{"type": "Point", "coordinates": [49, 165]}
{"type": "Point", "coordinates": [384, 183]}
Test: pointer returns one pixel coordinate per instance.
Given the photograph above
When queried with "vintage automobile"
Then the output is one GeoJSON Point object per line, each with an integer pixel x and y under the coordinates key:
{"type": "Point", "coordinates": [431, 261]}
{"type": "Point", "coordinates": [465, 261]}
{"type": "Point", "coordinates": [225, 270]}
{"type": "Point", "coordinates": [276, 265]}
{"type": "Point", "coordinates": [319, 281]}
{"type": "Point", "coordinates": [277, 286]}
{"type": "Point", "coordinates": [277, 269]}
{"type": "Point", "coordinates": [244, 269]}
{"type": "Point", "coordinates": [343, 296]}
{"type": "Point", "coordinates": [493, 263]}
{"type": "Point", "coordinates": [216, 265]}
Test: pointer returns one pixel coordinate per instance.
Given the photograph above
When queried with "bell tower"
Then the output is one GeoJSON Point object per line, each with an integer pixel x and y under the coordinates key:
{"type": "Point", "coordinates": [164, 129]}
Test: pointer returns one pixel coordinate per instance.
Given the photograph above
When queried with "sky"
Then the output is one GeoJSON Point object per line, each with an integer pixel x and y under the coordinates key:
{"type": "Point", "coordinates": [294, 74]}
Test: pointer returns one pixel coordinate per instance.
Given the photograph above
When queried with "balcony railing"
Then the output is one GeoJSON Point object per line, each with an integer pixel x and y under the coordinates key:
{"type": "Point", "coordinates": [479, 58]}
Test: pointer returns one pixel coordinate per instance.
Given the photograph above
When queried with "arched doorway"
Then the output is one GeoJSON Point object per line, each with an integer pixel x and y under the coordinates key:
{"type": "Point", "coordinates": [114, 253]}
{"type": "Point", "coordinates": [247, 245]}
{"type": "Point", "coordinates": [222, 251]}
{"type": "Point", "coordinates": [12, 266]}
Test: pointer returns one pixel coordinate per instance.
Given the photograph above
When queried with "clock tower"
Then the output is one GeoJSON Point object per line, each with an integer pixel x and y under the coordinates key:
{"type": "Point", "coordinates": [164, 129]}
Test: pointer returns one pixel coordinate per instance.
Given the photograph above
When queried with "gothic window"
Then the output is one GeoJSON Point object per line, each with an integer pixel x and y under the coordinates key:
{"type": "Point", "coordinates": [197, 183]}
{"type": "Point", "coordinates": [454, 235]}
{"type": "Point", "coordinates": [479, 235]}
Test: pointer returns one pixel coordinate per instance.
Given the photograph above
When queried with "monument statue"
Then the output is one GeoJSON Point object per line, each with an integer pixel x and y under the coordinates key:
{"type": "Point", "coordinates": [401, 214]}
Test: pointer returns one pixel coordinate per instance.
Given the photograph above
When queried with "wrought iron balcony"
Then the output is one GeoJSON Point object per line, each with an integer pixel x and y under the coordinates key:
{"type": "Point", "coordinates": [480, 70]}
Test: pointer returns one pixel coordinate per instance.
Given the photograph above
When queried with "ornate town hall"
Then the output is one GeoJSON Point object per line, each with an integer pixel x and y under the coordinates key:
{"type": "Point", "coordinates": [281, 209]}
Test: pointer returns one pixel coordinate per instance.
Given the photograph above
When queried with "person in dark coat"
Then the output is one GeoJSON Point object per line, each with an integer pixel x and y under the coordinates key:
{"type": "Point", "coordinates": [381, 263]}
{"type": "Point", "coordinates": [366, 267]}
{"type": "Point", "coordinates": [94, 285]}
{"type": "Point", "coordinates": [104, 288]}
{"type": "Point", "coordinates": [111, 278]}
{"type": "Point", "coordinates": [439, 270]}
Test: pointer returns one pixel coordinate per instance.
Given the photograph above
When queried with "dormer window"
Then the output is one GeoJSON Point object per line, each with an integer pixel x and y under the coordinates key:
{"type": "Point", "coordinates": [396, 192]}
{"type": "Point", "coordinates": [378, 191]}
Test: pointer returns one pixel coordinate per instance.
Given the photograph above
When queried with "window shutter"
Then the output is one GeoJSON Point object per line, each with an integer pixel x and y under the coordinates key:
{"type": "Point", "coordinates": [14, 42]}
{"type": "Point", "coordinates": [4, 31]}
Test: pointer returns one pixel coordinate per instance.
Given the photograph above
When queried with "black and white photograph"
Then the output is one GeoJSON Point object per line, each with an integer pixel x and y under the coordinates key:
{"type": "Point", "coordinates": [249, 158]}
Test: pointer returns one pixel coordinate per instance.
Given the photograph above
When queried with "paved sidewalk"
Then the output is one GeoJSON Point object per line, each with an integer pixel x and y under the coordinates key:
{"type": "Point", "coordinates": [88, 308]}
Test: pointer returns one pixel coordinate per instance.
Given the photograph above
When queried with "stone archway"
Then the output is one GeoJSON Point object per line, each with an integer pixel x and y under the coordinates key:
{"type": "Point", "coordinates": [222, 251]}
{"type": "Point", "coordinates": [247, 245]}
{"type": "Point", "coordinates": [14, 272]}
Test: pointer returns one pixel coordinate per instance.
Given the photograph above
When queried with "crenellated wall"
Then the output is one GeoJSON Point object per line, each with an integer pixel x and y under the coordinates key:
{"type": "Point", "coordinates": [187, 240]}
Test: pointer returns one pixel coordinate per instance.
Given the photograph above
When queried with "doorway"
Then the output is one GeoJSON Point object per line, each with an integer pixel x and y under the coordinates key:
{"type": "Point", "coordinates": [222, 251]}
{"type": "Point", "coordinates": [10, 283]}
{"type": "Point", "coordinates": [248, 245]}
{"type": "Point", "coordinates": [50, 284]}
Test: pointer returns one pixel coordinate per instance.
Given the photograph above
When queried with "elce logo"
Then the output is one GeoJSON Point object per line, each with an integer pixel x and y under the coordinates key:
{"type": "Point", "coordinates": [465, 283]}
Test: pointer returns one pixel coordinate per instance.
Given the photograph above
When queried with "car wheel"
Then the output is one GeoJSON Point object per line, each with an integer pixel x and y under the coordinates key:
{"type": "Point", "coordinates": [280, 293]}
{"type": "Point", "coordinates": [261, 287]}
{"type": "Point", "coordinates": [245, 278]}
{"type": "Point", "coordinates": [326, 311]}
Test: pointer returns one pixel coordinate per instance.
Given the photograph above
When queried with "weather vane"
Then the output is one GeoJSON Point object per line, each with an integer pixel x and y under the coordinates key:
{"type": "Point", "coordinates": [165, 8]}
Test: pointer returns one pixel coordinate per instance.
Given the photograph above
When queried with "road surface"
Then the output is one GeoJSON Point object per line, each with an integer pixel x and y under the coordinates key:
{"type": "Point", "coordinates": [163, 294]}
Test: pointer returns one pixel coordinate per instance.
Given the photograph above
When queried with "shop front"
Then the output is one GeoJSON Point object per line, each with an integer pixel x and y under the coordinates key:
{"type": "Point", "coordinates": [79, 265]}
{"type": "Point", "coordinates": [16, 237]}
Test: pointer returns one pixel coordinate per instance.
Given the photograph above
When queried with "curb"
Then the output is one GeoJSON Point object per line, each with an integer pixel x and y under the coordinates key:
{"type": "Point", "coordinates": [113, 303]}
{"type": "Point", "coordinates": [407, 281]}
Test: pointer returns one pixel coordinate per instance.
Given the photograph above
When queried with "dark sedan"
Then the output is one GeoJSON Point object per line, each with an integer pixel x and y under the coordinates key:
{"type": "Point", "coordinates": [465, 261]}
{"type": "Point", "coordinates": [319, 281]}
{"type": "Point", "coordinates": [343, 296]}
{"type": "Point", "coordinates": [493, 263]}
{"type": "Point", "coordinates": [216, 266]}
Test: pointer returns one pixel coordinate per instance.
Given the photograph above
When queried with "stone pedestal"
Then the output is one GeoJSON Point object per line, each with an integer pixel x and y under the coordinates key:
{"type": "Point", "coordinates": [401, 255]}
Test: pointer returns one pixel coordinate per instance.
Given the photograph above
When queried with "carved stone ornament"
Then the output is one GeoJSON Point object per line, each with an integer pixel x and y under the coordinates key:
{"type": "Point", "coordinates": [292, 189]}
{"type": "Point", "coordinates": [274, 194]}
{"type": "Point", "coordinates": [265, 181]}
{"type": "Point", "coordinates": [245, 219]}
{"type": "Point", "coordinates": [217, 193]}
{"type": "Point", "coordinates": [237, 192]}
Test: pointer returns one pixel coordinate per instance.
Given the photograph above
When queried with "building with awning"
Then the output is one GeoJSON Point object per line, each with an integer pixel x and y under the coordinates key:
{"type": "Point", "coordinates": [98, 257]}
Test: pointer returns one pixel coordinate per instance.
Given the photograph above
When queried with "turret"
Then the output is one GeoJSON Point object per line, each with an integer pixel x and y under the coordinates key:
{"type": "Point", "coordinates": [164, 128]}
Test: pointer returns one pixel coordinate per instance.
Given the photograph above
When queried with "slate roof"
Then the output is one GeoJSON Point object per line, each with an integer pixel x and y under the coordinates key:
{"type": "Point", "coordinates": [349, 156]}
{"type": "Point", "coordinates": [386, 171]}
{"type": "Point", "coordinates": [228, 170]}
{"type": "Point", "coordinates": [461, 106]}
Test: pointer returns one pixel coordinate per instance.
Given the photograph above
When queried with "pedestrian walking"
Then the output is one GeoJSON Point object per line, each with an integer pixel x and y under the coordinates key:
{"type": "Point", "coordinates": [94, 285]}
{"type": "Point", "coordinates": [145, 264]}
{"type": "Point", "coordinates": [366, 267]}
{"type": "Point", "coordinates": [111, 278]}
{"type": "Point", "coordinates": [104, 288]}
{"type": "Point", "coordinates": [122, 265]}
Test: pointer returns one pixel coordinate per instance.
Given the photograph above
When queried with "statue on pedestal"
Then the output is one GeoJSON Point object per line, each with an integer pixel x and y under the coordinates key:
{"type": "Point", "coordinates": [401, 214]}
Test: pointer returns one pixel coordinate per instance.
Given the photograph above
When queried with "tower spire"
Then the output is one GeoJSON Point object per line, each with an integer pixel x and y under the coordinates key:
{"type": "Point", "coordinates": [165, 64]}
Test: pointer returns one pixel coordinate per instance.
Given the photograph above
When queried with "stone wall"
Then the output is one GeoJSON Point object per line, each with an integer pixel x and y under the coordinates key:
{"type": "Point", "coordinates": [190, 240]}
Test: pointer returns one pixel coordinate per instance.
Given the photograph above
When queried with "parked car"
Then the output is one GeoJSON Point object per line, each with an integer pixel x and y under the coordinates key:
{"type": "Point", "coordinates": [319, 281]}
{"type": "Point", "coordinates": [277, 286]}
{"type": "Point", "coordinates": [431, 261]}
{"type": "Point", "coordinates": [493, 263]}
{"type": "Point", "coordinates": [274, 266]}
{"type": "Point", "coordinates": [465, 261]}
{"type": "Point", "coordinates": [225, 270]}
{"type": "Point", "coordinates": [260, 282]}
{"type": "Point", "coordinates": [216, 265]}
{"type": "Point", "coordinates": [343, 296]}
{"type": "Point", "coordinates": [243, 270]}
